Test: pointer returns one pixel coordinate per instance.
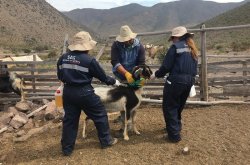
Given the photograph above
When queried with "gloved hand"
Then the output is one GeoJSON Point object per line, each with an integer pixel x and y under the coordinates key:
{"type": "Point", "coordinates": [117, 83]}
{"type": "Point", "coordinates": [129, 77]}
{"type": "Point", "coordinates": [138, 83]}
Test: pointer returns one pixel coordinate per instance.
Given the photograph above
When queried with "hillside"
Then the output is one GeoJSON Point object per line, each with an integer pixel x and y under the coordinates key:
{"type": "Point", "coordinates": [27, 23]}
{"type": "Point", "coordinates": [230, 40]}
{"type": "Point", "coordinates": [161, 16]}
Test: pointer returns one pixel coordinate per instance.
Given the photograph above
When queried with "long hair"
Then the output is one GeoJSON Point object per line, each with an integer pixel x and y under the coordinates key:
{"type": "Point", "coordinates": [194, 50]}
{"type": "Point", "coordinates": [190, 42]}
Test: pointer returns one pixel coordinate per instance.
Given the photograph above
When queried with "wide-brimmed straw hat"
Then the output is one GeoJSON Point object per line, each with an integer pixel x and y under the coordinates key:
{"type": "Point", "coordinates": [179, 31]}
{"type": "Point", "coordinates": [126, 34]}
{"type": "Point", "coordinates": [82, 41]}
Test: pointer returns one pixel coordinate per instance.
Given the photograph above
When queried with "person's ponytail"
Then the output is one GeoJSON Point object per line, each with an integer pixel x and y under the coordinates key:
{"type": "Point", "coordinates": [194, 50]}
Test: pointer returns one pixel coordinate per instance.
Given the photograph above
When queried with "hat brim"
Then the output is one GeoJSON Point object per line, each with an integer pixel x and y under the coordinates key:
{"type": "Point", "coordinates": [124, 39]}
{"type": "Point", "coordinates": [82, 47]}
{"type": "Point", "coordinates": [189, 35]}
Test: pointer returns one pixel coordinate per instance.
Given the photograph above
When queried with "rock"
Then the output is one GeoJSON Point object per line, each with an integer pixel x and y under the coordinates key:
{"type": "Point", "coordinates": [19, 120]}
{"type": "Point", "coordinates": [45, 101]}
{"type": "Point", "coordinates": [20, 133]}
{"type": "Point", "coordinates": [23, 106]}
{"type": "Point", "coordinates": [39, 115]}
{"type": "Point", "coordinates": [10, 129]}
{"type": "Point", "coordinates": [6, 117]}
{"type": "Point", "coordinates": [50, 111]}
{"type": "Point", "coordinates": [29, 124]}
{"type": "Point", "coordinates": [13, 110]}
{"type": "Point", "coordinates": [185, 150]}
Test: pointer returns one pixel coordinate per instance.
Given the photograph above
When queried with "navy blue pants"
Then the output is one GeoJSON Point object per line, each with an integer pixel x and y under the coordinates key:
{"type": "Point", "coordinates": [76, 99]}
{"type": "Point", "coordinates": [174, 99]}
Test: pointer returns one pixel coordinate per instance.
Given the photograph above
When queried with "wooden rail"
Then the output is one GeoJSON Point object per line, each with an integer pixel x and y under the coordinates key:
{"type": "Point", "coordinates": [232, 74]}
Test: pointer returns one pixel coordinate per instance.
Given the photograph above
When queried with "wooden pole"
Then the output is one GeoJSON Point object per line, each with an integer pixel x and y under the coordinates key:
{"type": "Point", "coordinates": [37, 110]}
{"type": "Point", "coordinates": [65, 43]}
{"type": "Point", "coordinates": [244, 66]}
{"type": "Point", "coordinates": [204, 83]}
{"type": "Point", "coordinates": [100, 53]}
{"type": "Point", "coordinates": [33, 66]}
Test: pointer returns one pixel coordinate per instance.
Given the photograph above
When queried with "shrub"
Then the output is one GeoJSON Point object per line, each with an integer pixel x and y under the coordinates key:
{"type": "Point", "coordinates": [41, 48]}
{"type": "Point", "coordinates": [239, 46]}
{"type": "Point", "coordinates": [26, 50]}
{"type": "Point", "coordinates": [52, 54]}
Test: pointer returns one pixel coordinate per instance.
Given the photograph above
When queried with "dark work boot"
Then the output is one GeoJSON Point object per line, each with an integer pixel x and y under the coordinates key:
{"type": "Point", "coordinates": [173, 139]}
{"type": "Point", "coordinates": [112, 142]}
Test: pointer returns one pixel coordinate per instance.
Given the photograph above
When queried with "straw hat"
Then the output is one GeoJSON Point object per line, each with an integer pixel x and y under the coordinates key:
{"type": "Point", "coordinates": [179, 31]}
{"type": "Point", "coordinates": [82, 41]}
{"type": "Point", "coordinates": [125, 34]}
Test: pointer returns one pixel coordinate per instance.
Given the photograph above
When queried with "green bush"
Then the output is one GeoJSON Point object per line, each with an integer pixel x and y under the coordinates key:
{"type": "Point", "coordinates": [239, 46]}
{"type": "Point", "coordinates": [52, 54]}
{"type": "Point", "coordinates": [41, 48]}
{"type": "Point", "coordinates": [26, 50]}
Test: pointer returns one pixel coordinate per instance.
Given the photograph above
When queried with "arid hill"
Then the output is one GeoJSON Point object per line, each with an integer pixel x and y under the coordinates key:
{"type": "Point", "coordinates": [161, 16]}
{"type": "Point", "coordinates": [33, 22]}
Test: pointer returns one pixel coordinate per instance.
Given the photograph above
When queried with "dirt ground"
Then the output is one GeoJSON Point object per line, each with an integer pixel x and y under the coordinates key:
{"type": "Point", "coordinates": [214, 135]}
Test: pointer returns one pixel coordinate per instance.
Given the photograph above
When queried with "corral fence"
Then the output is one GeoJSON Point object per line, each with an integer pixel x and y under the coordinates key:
{"type": "Point", "coordinates": [224, 81]}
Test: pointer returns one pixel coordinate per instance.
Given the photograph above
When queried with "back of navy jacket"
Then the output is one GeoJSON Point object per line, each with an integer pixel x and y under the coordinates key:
{"type": "Point", "coordinates": [77, 68]}
{"type": "Point", "coordinates": [178, 62]}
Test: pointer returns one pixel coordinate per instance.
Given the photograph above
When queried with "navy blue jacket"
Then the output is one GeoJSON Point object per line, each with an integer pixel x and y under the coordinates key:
{"type": "Point", "coordinates": [77, 68]}
{"type": "Point", "coordinates": [128, 57]}
{"type": "Point", "coordinates": [178, 62]}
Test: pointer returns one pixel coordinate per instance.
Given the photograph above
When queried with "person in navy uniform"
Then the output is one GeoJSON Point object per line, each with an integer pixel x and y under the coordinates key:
{"type": "Point", "coordinates": [180, 62]}
{"type": "Point", "coordinates": [76, 70]}
{"type": "Point", "coordinates": [126, 53]}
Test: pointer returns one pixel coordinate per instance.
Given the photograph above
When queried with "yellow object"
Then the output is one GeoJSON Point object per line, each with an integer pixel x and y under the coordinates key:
{"type": "Point", "coordinates": [129, 77]}
{"type": "Point", "coordinates": [59, 97]}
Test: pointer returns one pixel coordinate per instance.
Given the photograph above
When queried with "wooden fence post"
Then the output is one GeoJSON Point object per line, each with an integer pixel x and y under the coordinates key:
{"type": "Point", "coordinates": [33, 66]}
{"type": "Point", "coordinates": [204, 83]}
{"type": "Point", "coordinates": [244, 67]}
{"type": "Point", "coordinates": [100, 52]}
{"type": "Point", "coordinates": [65, 43]}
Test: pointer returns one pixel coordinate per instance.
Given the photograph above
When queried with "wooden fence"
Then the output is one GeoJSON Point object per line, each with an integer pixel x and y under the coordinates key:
{"type": "Point", "coordinates": [225, 79]}
{"type": "Point", "coordinates": [228, 79]}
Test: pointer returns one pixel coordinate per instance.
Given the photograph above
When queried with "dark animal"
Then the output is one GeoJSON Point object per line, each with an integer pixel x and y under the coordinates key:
{"type": "Point", "coordinates": [124, 99]}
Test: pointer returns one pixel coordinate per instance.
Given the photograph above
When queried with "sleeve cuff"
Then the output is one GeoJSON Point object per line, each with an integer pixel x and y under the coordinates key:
{"type": "Point", "coordinates": [117, 65]}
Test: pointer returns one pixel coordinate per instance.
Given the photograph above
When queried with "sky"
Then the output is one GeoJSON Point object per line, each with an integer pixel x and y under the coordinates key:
{"type": "Point", "coordinates": [67, 5]}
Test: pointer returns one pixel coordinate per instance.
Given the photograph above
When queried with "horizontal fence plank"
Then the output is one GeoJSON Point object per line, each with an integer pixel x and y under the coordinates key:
{"type": "Point", "coordinates": [43, 83]}
{"type": "Point", "coordinates": [225, 69]}
{"type": "Point", "coordinates": [226, 82]}
{"type": "Point", "coordinates": [230, 62]}
{"type": "Point", "coordinates": [239, 90]}
{"type": "Point", "coordinates": [236, 78]}
{"type": "Point", "coordinates": [228, 56]}
{"type": "Point", "coordinates": [28, 98]}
